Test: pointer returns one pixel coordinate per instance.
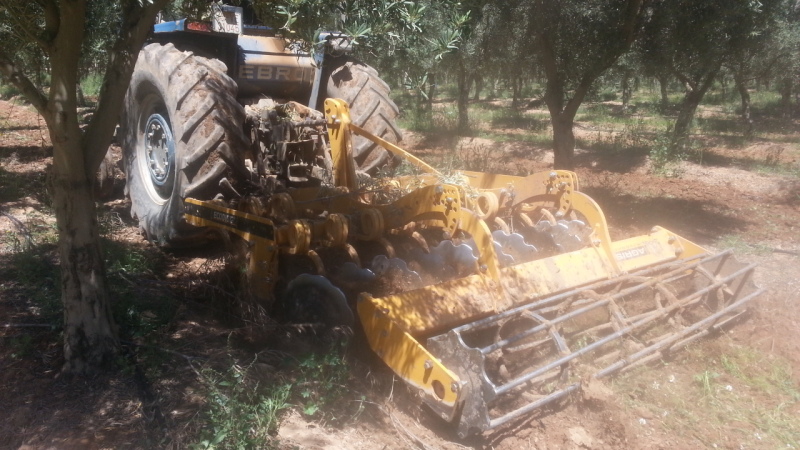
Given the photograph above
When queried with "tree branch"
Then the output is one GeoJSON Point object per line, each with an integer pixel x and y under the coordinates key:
{"type": "Point", "coordinates": [633, 16]}
{"type": "Point", "coordinates": [11, 72]}
{"type": "Point", "coordinates": [24, 22]}
{"type": "Point", "coordinates": [682, 78]}
{"type": "Point", "coordinates": [52, 18]}
{"type": "Point", "coordinates": [136, 25]}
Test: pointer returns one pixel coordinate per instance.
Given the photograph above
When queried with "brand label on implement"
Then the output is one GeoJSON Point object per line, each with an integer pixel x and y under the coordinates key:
{"type": "Point", "coordinates": [224, 217]}
{"type": "Point", "coordinates": [649, 248]}
{"type": "Point", "coordinates": [271, 73]}
{"type": "Point", "coordinates": [631, 253]}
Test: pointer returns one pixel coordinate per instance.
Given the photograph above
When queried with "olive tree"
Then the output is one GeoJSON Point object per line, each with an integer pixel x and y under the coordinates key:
{"type": "Point", "coordinates": [769, 50]}
{"type": "Point", "coordinates": [692, 39]}
{"type": "Point", "coordinates": [54, 33]}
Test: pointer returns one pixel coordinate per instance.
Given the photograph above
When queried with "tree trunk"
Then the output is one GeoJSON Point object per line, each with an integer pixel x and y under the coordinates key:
{"type": "Point", "coordinates": [463, 98]}
{"type": "Point", "coordinates": [741, 86]}
{"type": "Point", "coordinates": [683, 123]}
{"type": "Point", "coordinates": [663, 82]}
{"type": "Point", "coordinates": [563, 142]}
{"type": "Point", "coordinates": [478, 87]}
{"type": "Point", "coordinates": [516, 86]}
{"type": "Point", "coordinates": [90, 335]}
{"type": "Point", "coordinates": [695, 91]}
{"type": "Point", "coordinates": [90, 339]}
{"type": "Point", "coordinates": [431, 92]}
{"type": "Point", "coordinates": [627, 90]}
{"type": "Point", "coordinates": [786, 96]}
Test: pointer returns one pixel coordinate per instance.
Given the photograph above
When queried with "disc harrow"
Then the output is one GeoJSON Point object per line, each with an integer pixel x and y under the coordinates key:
{"type": "Point", "coordinates": [490, 295]}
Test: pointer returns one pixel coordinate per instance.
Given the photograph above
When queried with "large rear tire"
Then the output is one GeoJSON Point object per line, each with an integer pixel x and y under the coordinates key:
{"type": "Point", "coordinates": [370, 107]}
{"type": "Point", "coordinates": [182, 127]}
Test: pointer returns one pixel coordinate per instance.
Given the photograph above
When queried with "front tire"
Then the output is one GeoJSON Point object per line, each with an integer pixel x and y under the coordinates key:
{"type": "Point", "coordinates": [182, 129]}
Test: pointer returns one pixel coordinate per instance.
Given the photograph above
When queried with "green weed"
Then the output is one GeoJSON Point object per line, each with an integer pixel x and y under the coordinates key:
{"type": "Point", "coordinates": [740, 246]}
{"type": "Point", "coordinates": [664, 159]}
{"type": "Point", "coordinates": [8, 90]}
{"type": "Point", "coordinates": [322, 380]}
{"type": "Point", "coordinates": [746, 397]}
{"type": "Point", "coordinates": [416, 119]}
{"type": "Point", "coordinates": [706, 382]}
{"type": "Point", "coordinates": [91, 84]}
{"type": "Point", "coordinates": [243, 411]}
{"type": "Point", "coordinates": [240, 413]}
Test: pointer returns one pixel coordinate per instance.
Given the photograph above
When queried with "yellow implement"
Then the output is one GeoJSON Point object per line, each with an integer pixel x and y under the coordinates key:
{"type": "Point", "coordinates": [492, 295]}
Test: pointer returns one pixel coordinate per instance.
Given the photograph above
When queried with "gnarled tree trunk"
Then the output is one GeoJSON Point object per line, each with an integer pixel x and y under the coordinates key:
{"type": "Point", "coordinates": [90, 335]}
{"type": "Point", "coordinates": [695, 91]}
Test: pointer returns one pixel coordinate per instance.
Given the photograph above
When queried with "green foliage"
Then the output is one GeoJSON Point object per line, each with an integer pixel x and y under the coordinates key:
{"type": "Point", "coordinates": [664, 158]}
{"type": "Point", "coordinates": [322, 380]}
{"type": "Point", "coordinates": [717, 385]}
{"type": "Point", "coordinates": [8, 91]}
{"type": "Point", "coordinates": [139, 312]}
{"type": "Point", "coordinates": [243, 409]}
{"type": "Point", "coordinates": [240, 413]}
{"type": "Point", "coordinates": [706, 380]}
{"type": "Point", "coordinates": [742, 247]}
{"type": "Point", "coordinates": [91, 84]}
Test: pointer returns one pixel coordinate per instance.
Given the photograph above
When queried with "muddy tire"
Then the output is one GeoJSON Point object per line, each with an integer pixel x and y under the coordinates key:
{"type": "Point", "coordinates": [370, 108]}
{"type": "Point", "coordinates": [182, 127]}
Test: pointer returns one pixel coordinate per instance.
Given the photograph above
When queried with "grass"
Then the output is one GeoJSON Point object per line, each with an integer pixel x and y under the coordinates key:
{"type": "Point", "coordinates": [30, 256]}
{"type": "Point", "coordinates": [244, 408]}
{"type": "Point", "coordinates": [240, 412]}
{"type": "Point", "coordinates": [740, 246]}
{"type": "Point", "coordinates": [603, 128]}
{"type": "Point", "coordinates": [91, 85]}
{"type": "Point", "coordinates": [736, 397]}
{"type": "Point", "coordinates": [8, 91]}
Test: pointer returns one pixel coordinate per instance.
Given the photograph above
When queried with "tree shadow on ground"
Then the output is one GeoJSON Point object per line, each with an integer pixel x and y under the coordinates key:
{"type": "Point", "coordinates": [16, 186]}
{"type": "Point", "coordinates": [696, 220]}
{"type": "Point", "coordinates": [27, 153]}
{"type": "Point", "coordinates": [609, 157]}
{"type": "Point", "coordinates": [146, 401]}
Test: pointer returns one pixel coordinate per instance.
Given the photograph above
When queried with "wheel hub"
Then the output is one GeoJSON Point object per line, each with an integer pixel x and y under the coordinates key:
{"type": "Point", "coordinates": [160, 153]}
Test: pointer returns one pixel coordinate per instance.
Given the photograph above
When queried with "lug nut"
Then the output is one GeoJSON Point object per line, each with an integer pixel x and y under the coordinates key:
{"type": "Point", "coordinates": [428, 364]}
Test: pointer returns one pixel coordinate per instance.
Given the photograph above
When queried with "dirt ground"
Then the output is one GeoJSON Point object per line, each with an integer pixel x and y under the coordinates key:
{"type": "Point", "coordinates": [720, 203]}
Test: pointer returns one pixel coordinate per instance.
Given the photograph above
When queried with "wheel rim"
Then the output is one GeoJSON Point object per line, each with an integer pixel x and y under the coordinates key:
{"type": "Point", "coordinates": [157, 157]}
